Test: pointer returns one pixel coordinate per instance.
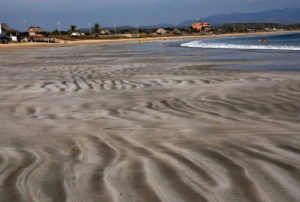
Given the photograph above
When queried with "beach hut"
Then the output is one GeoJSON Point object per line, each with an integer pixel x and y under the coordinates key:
{"type": "Point", "coordinates": [77, 34]}
{"type": "Point", "coordinates": [7, 34]}
{"type": "Point", "coordinates": [105, 32]}
{"type": "Point", "coordinates": [36, 32]}
{"type": "Point", "coordinates": [161, 31]}
{"type": "Point", "coordinates": [176, 31]}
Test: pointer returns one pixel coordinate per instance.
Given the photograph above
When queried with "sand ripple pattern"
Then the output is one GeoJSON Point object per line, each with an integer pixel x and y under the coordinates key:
{"type": "Point", "coordinates": [112, 123]}
{"type": "Point", "coordinates": [114, 168]}
{"type": "Point", "coordinates": [80, 83]}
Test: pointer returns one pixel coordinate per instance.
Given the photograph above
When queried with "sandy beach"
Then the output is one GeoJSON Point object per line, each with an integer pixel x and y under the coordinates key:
{"type": "Point", "coordinates": [24, 45]}
{"type": "Point", "coordinates": [113, 122]}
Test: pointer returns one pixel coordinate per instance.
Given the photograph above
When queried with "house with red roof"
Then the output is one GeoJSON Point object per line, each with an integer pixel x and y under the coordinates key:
{"type": "Point", "coordinates": [201, 26]}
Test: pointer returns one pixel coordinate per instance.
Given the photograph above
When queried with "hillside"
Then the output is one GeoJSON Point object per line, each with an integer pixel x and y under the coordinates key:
{"type": "Point", "coordinates": [282, 16]}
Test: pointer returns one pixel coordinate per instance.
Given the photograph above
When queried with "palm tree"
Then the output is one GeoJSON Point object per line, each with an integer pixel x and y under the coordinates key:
{"type": "Point", "coordinates": [55, 31]}
{"type": "Point", "coordinates": [73, 28]}
{"type": "Point", "coordinates": [96, 28]}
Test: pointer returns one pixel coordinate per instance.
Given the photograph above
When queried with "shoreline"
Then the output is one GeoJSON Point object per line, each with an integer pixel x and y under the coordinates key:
{"type": "Point", "coordinates": [61, 43]}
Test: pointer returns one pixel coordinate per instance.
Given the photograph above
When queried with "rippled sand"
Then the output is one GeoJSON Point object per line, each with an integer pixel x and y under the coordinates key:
{"type": "Point", "coordinates": [111, 123]}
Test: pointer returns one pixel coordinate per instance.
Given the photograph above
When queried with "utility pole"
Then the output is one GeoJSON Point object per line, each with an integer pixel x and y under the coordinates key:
{"type": "Point", "coordinates": [115, 25]}
{"type": "Point", "coordinates": [25, 24]}
{"type": "Point", "coordinates": [90, 28]}
{"type": "Point", "coordinates": [58, 24]}
{"type": "Point", "coordinates": [137, 28]}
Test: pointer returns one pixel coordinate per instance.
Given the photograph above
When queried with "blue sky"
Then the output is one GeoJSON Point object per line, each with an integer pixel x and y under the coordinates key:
{"type": "Point", "coordinates": [46, 13]}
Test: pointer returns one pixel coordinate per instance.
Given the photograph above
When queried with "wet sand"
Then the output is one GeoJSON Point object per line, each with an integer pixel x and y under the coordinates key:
{"type": "Point", "coordinates": [111, 123]}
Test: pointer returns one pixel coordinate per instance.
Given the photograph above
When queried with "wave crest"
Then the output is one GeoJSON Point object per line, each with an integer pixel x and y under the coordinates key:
{"type": "Point", "coordinates": [198, 44]}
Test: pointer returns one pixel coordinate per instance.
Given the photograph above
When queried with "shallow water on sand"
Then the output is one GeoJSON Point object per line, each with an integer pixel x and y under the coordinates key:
{"type": "Point", "coordinates": [146, 123]}
{"type": "Point", "coordinates": [280, 53]}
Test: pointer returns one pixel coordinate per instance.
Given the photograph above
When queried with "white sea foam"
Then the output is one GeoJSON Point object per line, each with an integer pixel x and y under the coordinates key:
{"type": "Point", "coordinates": [198, 44]}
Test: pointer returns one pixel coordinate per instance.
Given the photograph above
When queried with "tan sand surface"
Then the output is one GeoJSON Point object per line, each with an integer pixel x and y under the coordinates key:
{"type": "Point", "coordinates": [109, 123]}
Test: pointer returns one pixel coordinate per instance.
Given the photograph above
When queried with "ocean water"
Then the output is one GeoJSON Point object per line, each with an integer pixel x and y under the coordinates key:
{"type": "Point", "coordinates": [261, 42]}
{"type": "Point", "coordinates": [280, 53]}
{"type": "Point", "coordinates": [262, 52]}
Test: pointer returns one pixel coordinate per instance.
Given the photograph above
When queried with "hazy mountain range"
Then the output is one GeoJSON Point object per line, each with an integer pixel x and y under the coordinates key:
{"type": "Point", "coordinates": [282, 16]}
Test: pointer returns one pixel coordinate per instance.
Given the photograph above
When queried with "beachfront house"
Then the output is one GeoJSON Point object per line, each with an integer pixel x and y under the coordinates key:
{"type": "Point", "coordinates": [201, 26]}
{"type": "Point", "coordinates": [176, 31]}
{"type": "Point", "coordinates": [36, 32]}
{"type": "Point", "coordinates": [161, 31]}
{"type": "Point", "coordinates": [105, 32]}
{"type": "Point", "coordinates": [77, 34]}
{"type": "Point", "coordinates": [8, 34]}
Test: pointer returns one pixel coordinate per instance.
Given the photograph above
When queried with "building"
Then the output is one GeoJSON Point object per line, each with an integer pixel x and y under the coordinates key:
{"type": "Point", "coordinates": [105, 32]}
{"type": "Point", "coordinates": [201, 26]}
{"type": "Point", "coordinates": [36, 32]}
{"type": "Point", "coordinates": [161, 31]}
{"type": "Point", "coordinates": [176, 31]}
{"type": "Point", "coordinates": [77, 34]}
{"type": "Point", "coordinates": [7, 34]}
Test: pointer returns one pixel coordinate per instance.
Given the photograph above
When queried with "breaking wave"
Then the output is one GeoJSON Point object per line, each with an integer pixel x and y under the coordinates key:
{"type": "Point", "coordinates": [198, 44]}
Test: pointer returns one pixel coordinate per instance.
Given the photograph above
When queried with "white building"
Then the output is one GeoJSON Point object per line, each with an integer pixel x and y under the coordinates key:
{"type": "Point", "coordinates": [77, 34]}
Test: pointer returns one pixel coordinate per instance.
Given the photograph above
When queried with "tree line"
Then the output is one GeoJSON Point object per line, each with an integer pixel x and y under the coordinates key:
{"type": "Point", "coordinates": [252, 27]}
{"type": "Point", "coordinates": [221, 29]}
{"type": "Point", "coordinates": [73, 28]}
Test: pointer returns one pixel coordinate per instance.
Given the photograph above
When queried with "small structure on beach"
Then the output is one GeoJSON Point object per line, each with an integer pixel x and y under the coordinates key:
{"type": "Point", "coordinates": [201, 26]}
{"type": "Point", "coordinates": [161, 31]}
{"type": "Point", "coordinates": [36, 32]}
{"type": "Point", "coordinates": [176, 31]}
{"type": "Point", "coordinates": [105, 32]}
{"type": "Point", "coordinates": [7, 34]}
{"type": "Point", "coordinates": [77, 34]}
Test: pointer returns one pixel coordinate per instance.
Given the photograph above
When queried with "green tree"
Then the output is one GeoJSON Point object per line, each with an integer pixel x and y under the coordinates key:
{"type": "Point", "coordinates": [96, 28]}
{"type": "Point", "coordinates": [192, 29]}
{"type": "Point", "coordinates": [72, 28]}
{"type": "Point", "coordinates": [55, 31]}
